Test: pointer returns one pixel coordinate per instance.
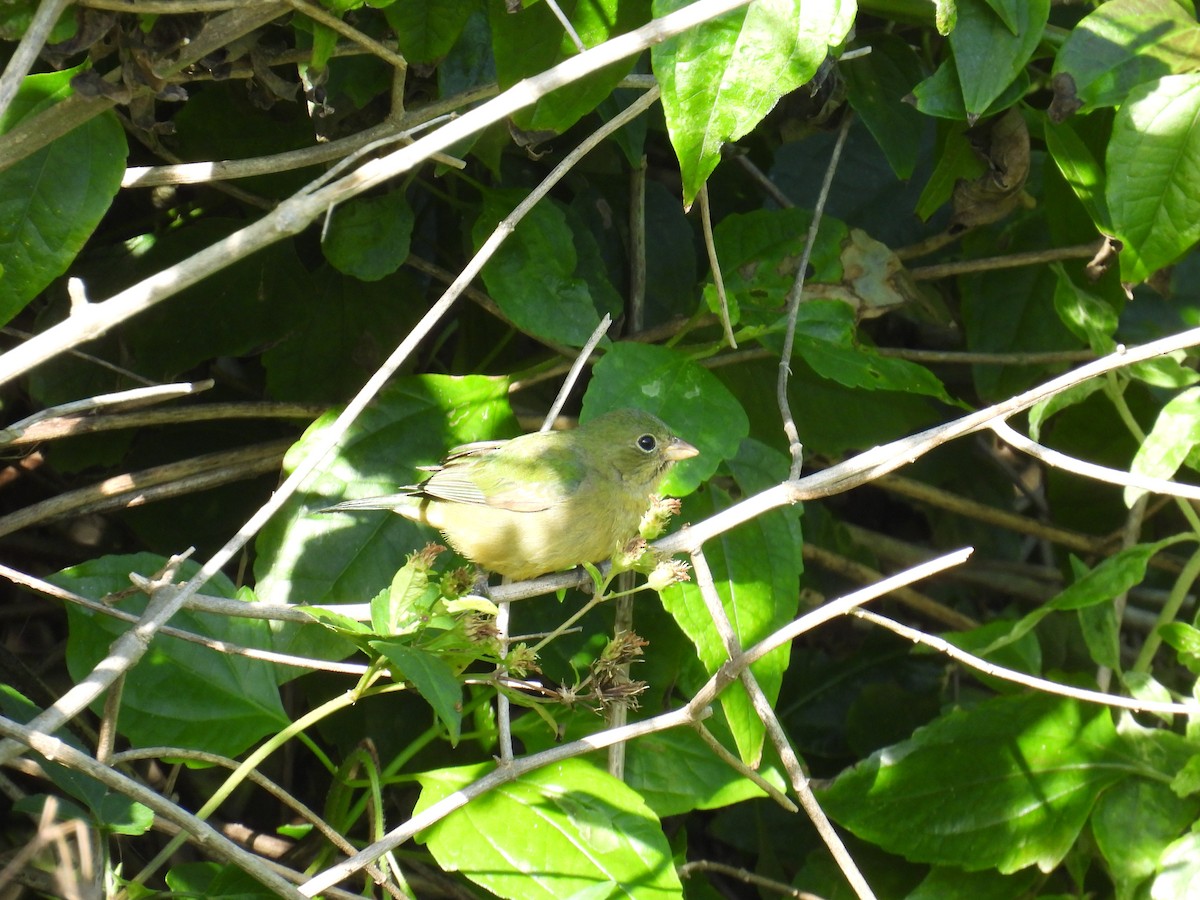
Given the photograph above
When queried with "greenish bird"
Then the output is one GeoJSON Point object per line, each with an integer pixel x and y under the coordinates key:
{"type": "Point", "coordinates": [546, 501]}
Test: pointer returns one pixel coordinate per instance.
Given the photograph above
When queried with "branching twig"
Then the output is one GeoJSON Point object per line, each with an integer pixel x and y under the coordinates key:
{"type": "Point", "coordinates": [795, 448]}
{"type": "Point", "coordinates": [1041, 684]}
{"type": "Point", "coordinates": [208, 837]}
{"type": "Point", "coordinates": [762, 708]}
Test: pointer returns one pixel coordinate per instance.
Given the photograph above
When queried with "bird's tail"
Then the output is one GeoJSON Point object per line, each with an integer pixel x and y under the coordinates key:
{"type": "Point", "coordinates": [391, 501]}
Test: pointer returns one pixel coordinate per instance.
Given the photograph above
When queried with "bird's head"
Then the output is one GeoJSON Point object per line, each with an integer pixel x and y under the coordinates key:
{"type": "Point", "coordinates": [636, 444]}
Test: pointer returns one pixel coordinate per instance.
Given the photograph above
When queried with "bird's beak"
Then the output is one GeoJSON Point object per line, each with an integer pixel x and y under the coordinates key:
{"type": "Point", "coordinates": [678, 449]}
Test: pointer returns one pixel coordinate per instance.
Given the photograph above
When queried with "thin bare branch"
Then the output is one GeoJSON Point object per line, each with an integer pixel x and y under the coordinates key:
{"type": "Point", "coordinates": [795, 448]}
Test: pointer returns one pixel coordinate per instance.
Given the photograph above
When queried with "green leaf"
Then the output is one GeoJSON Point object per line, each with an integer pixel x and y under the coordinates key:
{"type": "Point", "coordinates": [537, 276]}
{"type": "Point", "coordinates": [425, 32]}
{"type": "Point", "coordinates": [1175, 434]}
{"type": "Point", "coordinates": [681, 392]}
{"type": "Point", "coordinates": [1179, 869]}
{"type": "Point", "coordinates": [567, 829]}
{"type": "Point", "coordinates": [759, 252]}
{"type": "Point", "coordinates": [876, 85]}
{"type": "Point", "coordinates": [52, 200]}
{"type": "Point", "coordinates": [111, 811]}
{"type": "Point", "coordinates": [990, 54]}
{"type": "Point", "coordinates": [1134, 823]}
{"type": "Point", "coordinates": [825, 339]}
{"type": "Point", "coordinates": [1102, 634]}
{"type": "Point", "coordinates": [1112, 577]}
{"type": "Point", "coordinates": [956, 160]}
{"type": "Point", "coordinates": [756, 568]}
{"type": "Point", "coordinates": [319, 559]}
{"type": "Point", "coordinates": [720, 79]}
{"type": "Point", "coordinates": [434, 680]}
{"type": "Point", "coordinates": [1008, 11]}
{"type": "Point", "coordinates": [405, 606]}
{"type": "Point", "coordinates": [1089, 317]}
{"type": "Point", "coordinates": [214, 881]}
{"type": "Point", "coordinates": [1123, 44]}
{"type": "Point", "coordinates": [1154, 174]}
{"type": "Point", "coordinates": [340, 330]}
{"type": "Point", "coordinates": [676, 771]}
{"type": "Point", "coordinates": [531, 39]}
{"type": "Point", "coordinates": [1005, 785]}
{"type": "Point", "coordinates": [180, 694]}
{"type": "Point", "coordinates": [368, 237]}
{"type": "Point", "coordinates": [1081, 168]}
{"type": "Point", "coordinates": [943, 882]}
{"type": "Point", "coordinates": [1041, 412]}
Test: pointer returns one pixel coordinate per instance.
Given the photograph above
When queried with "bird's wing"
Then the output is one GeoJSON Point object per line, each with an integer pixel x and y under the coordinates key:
{"type": "Point", "coordinates": [522, 476]}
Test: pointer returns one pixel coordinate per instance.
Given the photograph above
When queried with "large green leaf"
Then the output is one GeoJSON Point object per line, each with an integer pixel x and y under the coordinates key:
{"type": "Point", "coordinates": [368, 236]}
{"type": "Point", "coordinates": [989, 52]}
{"type": "Point", "coordinates": [757, 569]}
{"type": "Point", "coordinates": [1122, 44]}
{"type": "Point", "coordinates": [52, 200]}
{"type": "Point", "coordinates": [1134, 823]}
{"type": "Point", "coordinates": [425, 32]}
{"type": "Point", "coordinates": [1005, 785]}
{"type": "Point", "coordinates": [529, 39]}
{"type": "Point", "coordinates": [180, 694]}
{"type": "Point", "coordinates": [1154, 174]}
{"type": "Point", "coordinates": [1081, 167]}
{"type": "Point", "coordinates": [566, 830]}
{"type": "Point", "coordinates": [1175, 434]}
{"type": "Point", "coordinates": [676, 771]}
{"type": "Point", "coordinates": [876, 85]}
{"type": "Point", "coordinates": [719, 80]}
{"type": "Point", "coordinates": [543, 276]}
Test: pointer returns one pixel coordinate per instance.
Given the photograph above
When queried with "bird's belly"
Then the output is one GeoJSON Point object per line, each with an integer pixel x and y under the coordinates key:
{"type": "Point", "coordinates": [527, 544]}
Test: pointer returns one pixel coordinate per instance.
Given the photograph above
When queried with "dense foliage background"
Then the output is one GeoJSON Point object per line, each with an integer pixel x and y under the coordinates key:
{"type": "Point", "coordinates": [227, 197]}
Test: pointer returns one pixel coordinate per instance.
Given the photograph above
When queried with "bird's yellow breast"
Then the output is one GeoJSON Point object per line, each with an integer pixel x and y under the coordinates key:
{"type": "Point", "coordinates": [527, 544]}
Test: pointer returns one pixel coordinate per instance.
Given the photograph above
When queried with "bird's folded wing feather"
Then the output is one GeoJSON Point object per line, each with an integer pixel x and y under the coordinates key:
{"type": "Point", "coordinates": [531, 479]}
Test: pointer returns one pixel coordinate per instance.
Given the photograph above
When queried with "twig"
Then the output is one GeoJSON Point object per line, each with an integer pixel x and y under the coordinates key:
{"type": "Point", "coordinates": [50, 429]}
{"type": "Point", "coordinates": [747, 877]}
{"type": "Point", "coordinates": [765, 713]}
{"type": "Point", "coordinates": [79, 354]}
{"type": "Point", "coordinates": [134, 488]}
{"type": "Point", "coordinates": [864, 574]}
{"type": "Point", "coordinates": [971, 358]}
{"type": "Point", "coordinates": [130, 399]}
{"type": "Point", "coordinates": [256, 778]}
{"type": "Point", "coordinates": [940, 498]}
{"type": "Point", "coordinates": [795, 448]}
{"type": "Point", "coordinates": [573, 375]}
{"type": "Point", "coordinates": [714, 264]}
{"type": "Point", "coordinates": [333, 23]}
{"type": "Point", "coordinates": [742, 769]}
{"type": "Point", "coordinates": [1041, 684]}
{"type": "Point", "coordinates": [1096, 472]}
{"type": "Point", "coordinates": [567, 26]}
{"type": "Point", "coordinates": [218, 646]}
{"type": "Point", "coordinates": [1011, 261]}
{"type": "Point", "coordinates": [204, 834]}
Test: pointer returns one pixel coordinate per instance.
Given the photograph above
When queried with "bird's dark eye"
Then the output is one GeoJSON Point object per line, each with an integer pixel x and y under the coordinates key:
{"type": "Point", "coordinates": [647, 442]}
